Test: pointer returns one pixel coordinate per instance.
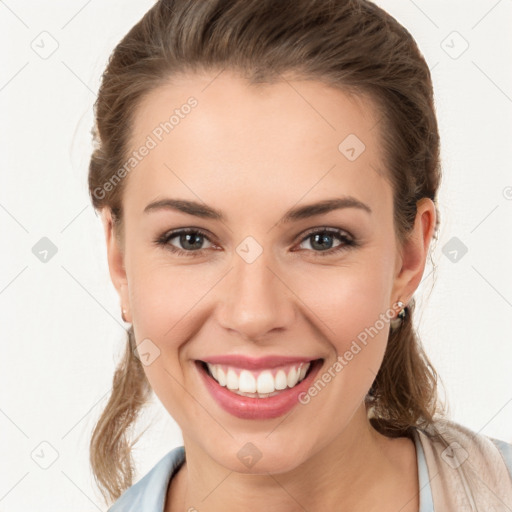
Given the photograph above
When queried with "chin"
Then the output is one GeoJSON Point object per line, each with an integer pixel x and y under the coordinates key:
{"type": "Point", "coordinates": [254, 460]}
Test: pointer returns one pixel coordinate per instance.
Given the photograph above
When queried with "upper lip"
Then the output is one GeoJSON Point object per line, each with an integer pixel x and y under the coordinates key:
{"type": "Point", "coordinates": [255, 363]}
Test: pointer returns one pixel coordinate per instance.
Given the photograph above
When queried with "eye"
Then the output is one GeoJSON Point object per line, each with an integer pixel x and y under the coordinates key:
{"type": "Point", "coordinates": [323, 238]}
{"type": "Point", "coordinates": [191, 241]}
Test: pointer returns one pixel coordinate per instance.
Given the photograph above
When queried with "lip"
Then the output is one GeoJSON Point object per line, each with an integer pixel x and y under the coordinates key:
{"type": "Point", "coordinates": [245, 407]}
{"type": "Point", "coordinates": [256, 363]}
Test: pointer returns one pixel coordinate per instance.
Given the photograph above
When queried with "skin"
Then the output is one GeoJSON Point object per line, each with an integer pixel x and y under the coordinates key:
{"type": "Point", "coordinates": [253, 153]}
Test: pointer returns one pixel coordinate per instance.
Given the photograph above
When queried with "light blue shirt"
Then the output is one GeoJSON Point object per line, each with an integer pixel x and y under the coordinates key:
{"type": "Point", "coordinates": [149, 493]}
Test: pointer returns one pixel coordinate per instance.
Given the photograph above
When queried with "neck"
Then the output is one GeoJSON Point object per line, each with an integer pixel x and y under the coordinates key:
{"type": "Point", "coordinates": [358, 471]}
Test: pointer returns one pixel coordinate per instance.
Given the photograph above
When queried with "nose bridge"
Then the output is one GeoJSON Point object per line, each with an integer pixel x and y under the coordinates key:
{"type": "Point", "coordinates": [256, 300]}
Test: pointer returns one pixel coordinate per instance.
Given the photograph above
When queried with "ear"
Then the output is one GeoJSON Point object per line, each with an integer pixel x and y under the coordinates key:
{"type": "Point", "coordinates": [412, 260]}
{"type": "Point", "coordinates": [116, 265]}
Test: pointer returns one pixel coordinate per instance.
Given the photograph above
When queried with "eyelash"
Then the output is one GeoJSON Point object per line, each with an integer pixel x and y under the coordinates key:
{"type": "Point", "coordinates": [348, 242]}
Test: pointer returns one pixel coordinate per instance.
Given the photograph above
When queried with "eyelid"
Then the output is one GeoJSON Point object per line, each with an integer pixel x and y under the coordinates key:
{"type": "Point", "coordinates": [343, 235]}
{"type": "Point", "coordinates": [165, 238]}
{"type": "Point", "coordinates": [322, 229]}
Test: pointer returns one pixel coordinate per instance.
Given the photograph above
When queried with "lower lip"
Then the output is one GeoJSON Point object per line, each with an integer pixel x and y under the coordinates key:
{"type": "Point", "coordinates": [257, 408]}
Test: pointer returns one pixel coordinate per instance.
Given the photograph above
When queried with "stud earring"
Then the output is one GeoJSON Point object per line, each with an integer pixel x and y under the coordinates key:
{"type": "Point", "coordinates": [123, 313]}
{"type": "Point", "coordinates": [397, 321]}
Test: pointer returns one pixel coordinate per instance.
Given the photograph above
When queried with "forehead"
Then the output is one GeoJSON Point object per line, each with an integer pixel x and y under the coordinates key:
{"type": "Point", "coordinates": [216, 135]}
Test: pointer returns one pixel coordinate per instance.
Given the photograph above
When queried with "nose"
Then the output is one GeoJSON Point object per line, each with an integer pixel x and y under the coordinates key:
{"type": "Point", "coordinates": [256, 300]}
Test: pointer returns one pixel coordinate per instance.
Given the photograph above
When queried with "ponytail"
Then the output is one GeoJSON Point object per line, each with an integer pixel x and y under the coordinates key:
{"type": "Point", "coordinates": [110, 446]}
{"type": "Point", "coordinates": [404, 392]}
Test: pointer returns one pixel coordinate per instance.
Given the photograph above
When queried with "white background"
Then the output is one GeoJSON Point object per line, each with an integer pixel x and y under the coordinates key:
{"type": "Point", "coordinates": [60, 321]}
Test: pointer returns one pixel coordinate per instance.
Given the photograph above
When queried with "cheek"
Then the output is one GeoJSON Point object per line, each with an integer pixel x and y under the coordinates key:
{"type": "Point", "coordinates": [359, 338]}
{"type": "Point", "coordinates": [161, 295]}
{"type": "Point", "coordinates": [351, 306]}
{"type": "Point", "coordinates": [348, 301]}
{"type": "Point", "coordinates": [357, 332]}
{"type": "Point", "coordinates": [159, 308]}
{"type": "Point", "coordinates": [160, 328]}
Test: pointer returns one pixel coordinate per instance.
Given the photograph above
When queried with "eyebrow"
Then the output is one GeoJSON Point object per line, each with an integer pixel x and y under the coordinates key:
{"type": "Point", "coordinates": [294, 214]}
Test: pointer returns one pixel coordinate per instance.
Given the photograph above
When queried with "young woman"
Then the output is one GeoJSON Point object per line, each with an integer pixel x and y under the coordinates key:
{"type": "Point", "coordinates": [267, 175]}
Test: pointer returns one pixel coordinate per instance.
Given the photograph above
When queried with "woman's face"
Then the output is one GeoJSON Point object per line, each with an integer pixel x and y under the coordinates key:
{"type": "Point", "coordinates": [253, 280]}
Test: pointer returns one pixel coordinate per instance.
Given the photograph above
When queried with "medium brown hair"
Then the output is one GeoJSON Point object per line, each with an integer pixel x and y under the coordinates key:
{"type": "Point", "coordinates": [349, 44]}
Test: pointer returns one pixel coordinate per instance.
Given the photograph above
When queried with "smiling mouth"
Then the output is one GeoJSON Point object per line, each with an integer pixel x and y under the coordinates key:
{"type": "Point", "coordinates": [263, 383]}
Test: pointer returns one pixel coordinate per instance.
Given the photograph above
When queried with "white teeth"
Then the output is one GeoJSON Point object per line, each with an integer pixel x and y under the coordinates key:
{"type": "Point", "coordinates": [293, 377]}
{"type": "Point", "coordinates": [265, 382]}
{"type": "Point", "coordinates": [246, 382]}
{"type": "Point", "coordinates": [263, 385]}
{"type": "Point", "coordinates": [221, 376]}
{"type": "Point", "coordinates": [232, 379]}
{"type": "Point", "coordinates": [281, 380]}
